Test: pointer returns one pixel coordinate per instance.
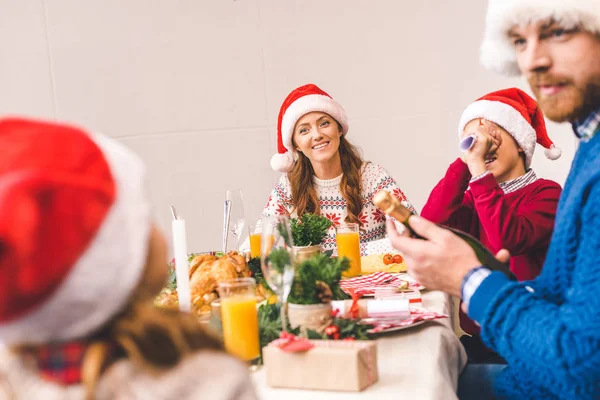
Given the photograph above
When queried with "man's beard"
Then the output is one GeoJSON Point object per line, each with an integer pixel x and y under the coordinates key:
{"type": "Point", "coordinates": [571, 103]}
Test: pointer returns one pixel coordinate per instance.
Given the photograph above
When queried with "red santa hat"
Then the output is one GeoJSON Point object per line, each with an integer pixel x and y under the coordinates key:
{"type": "Point", "coordinates": [497, 51]}
{"type": "Point", "coordinates": [519, 114]}
{"type": "Point", "coordinates": [74, 230]}
{"type": "Point", "coordinates": [301, 101]}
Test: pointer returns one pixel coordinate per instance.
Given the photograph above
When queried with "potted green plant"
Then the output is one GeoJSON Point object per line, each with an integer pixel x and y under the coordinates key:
{"type": "Point", "coordinates": [316, 284]}
{"type": "Point", "coordinates": [308, 233]}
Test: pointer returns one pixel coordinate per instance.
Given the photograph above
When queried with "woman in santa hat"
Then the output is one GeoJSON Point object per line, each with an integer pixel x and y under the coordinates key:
{"type": "Point", "coordinates": [80, 264]}
{"type": "Point", "coordinates": [323, 172]}
{"type": "Point", "coordinates": [492, 193]}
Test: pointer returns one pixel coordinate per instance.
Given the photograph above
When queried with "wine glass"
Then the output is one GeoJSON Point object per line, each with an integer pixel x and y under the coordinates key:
{"type": "Point", "coordinates": [277, 260]}
{"type": "Point", "coordinates": [237, 219]}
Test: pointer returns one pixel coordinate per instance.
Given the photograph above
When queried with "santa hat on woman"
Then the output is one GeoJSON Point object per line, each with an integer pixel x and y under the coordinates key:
{"type": "Point", "coordinates": [497, 51]}
{"type": "Point", "coordinates": [301, 101]}
{"type": "Point", "coordinates": [74, 230]}
{"type": "Point", "coordinates": [519, 114]}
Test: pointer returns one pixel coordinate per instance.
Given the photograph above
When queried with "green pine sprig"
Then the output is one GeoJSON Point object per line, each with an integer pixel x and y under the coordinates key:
{"type": "Point", "coordinates": [319, 268]}
{"type": "Point", "coordinates": [309, 229]}
{"type": "Point", "coordinates": [269, 325]}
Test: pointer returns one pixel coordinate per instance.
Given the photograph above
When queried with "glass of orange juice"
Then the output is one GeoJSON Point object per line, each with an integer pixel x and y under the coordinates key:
{"type": "Point", "coordinates": [256, 234]}
{"type": "Point", "coordinates": [239, 318]}
{"type": "Point", "coordinates": [348, 245]}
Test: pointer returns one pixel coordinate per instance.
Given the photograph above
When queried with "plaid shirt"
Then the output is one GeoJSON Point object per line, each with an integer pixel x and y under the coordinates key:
{"type": "Point", "coordinates": [514, 184]}
{"type": "Point", "coordinates": [61, 362]}
{"type": "Point", "coordinates": [586, 128]}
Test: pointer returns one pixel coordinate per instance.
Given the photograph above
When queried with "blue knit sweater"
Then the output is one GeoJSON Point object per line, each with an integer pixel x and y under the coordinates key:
{"type": "Point", "coordinates": [548, 329]}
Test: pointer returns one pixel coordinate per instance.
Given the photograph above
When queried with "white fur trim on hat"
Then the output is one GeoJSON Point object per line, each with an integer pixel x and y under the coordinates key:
{"type": "Point", "coordinates": [306, 104]}
{"type": "Point", "coordinates": [103, 279]}
{"type": "Point", "coordinates": [508, 118]}
{"type": "Point", "coordinates": [283, 162]}
{"type": "Point", "coordinates": [498, 53]}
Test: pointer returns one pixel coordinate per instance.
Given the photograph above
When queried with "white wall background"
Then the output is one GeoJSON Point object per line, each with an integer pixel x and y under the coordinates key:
{"type": "Point", "coordinates": [194, 86]}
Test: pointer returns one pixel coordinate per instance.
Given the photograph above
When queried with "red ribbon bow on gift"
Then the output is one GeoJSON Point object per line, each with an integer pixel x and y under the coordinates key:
{"type": "Point", "coordinates": [292, 344]}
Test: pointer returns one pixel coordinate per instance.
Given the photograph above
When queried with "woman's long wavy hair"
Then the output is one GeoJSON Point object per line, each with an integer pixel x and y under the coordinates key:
{"type": "Point", "coordinates": [154, 339]}
{"type": "Point", "coordinates": [304, 193]}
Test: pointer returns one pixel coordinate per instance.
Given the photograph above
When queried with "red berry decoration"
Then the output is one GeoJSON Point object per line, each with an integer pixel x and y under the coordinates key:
{"type": "Point", "coordinates": [349, 339]}
{"type": "Point", "coordinates": [336, 336]}
{"type": "Point", "coordinates": [332, 330]}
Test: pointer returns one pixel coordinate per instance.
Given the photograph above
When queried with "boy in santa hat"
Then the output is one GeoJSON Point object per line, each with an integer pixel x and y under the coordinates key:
{"type": "Point", "coordinates": [492, 193]}
{"type": "Point", "coordinates": [80, 264]}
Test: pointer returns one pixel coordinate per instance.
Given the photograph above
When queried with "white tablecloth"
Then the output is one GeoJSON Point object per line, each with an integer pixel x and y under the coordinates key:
{"type": "Point", "coordinates": [423, 362]}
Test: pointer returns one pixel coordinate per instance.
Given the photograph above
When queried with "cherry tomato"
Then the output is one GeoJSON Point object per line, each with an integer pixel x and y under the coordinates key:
{"type": "Point", "coordinates": [388, 259]}
{"type": "Point", "coordinates": [397, 259]}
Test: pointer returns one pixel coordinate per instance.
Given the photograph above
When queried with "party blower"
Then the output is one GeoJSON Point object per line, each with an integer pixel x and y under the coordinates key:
{"type": "Point", "coordinates": [392, 207]}
{"type": "Point", "coordinates": [467, 142]}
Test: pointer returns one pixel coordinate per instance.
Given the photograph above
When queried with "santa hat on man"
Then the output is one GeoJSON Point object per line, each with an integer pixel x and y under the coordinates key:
{"type": "Point", "coordinates": [519, 114]}
{"type": "Point", "coordinates": [301, 101]}
{"type": "Point", "coordinates": [74, 230]}
{"type": "Point", "coordinates": [497, 51]}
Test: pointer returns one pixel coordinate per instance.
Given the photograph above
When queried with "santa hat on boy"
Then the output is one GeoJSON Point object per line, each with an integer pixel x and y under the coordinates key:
{"type": "Point", "coordinates": [497, 51]}
{"type": "Point", "coordinates": [301, 101]}
{"type": "Point", "coordinates": [519, 114]}
{"type": "Point", "coordinates": [74, 230]}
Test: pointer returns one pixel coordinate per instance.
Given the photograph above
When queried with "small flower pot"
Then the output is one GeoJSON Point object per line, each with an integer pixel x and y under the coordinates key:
{"type": "Point", "coordinates": [303, 253]}
{"type": "Point", "coordinates": [315, 317]}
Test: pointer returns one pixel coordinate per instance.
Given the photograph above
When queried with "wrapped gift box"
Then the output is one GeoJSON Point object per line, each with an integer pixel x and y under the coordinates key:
{"type": "Point", "coordinates": [336, 365]}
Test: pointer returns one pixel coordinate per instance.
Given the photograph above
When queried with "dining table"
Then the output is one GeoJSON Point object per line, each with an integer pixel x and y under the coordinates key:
{"type": "Point", "coordinates": [418, 362]}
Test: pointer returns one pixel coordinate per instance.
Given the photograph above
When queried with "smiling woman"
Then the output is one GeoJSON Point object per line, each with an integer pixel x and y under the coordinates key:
{"type": "Point", "coordinates": [323, 172]}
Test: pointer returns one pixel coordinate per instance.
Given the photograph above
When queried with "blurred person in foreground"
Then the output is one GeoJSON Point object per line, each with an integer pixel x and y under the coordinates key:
{"type": "Point", "coordinates": [80, 263]}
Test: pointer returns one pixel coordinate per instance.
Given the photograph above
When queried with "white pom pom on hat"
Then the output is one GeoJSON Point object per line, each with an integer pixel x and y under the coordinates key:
{"type": "Point", "coordinates": [283, 162]}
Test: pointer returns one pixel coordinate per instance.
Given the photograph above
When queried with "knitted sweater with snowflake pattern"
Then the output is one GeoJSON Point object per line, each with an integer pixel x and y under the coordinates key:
{"type": "Point", "coordinates": [334, 207]}
{"type": "Point", "coordinates": [548, 329]}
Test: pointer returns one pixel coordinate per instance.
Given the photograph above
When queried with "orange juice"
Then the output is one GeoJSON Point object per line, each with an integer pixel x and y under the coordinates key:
{"type": "Point", "coordinates": [256, 241]}
{"type": "Point", "coordinates": [240, 326]}
{"type": "Point", "coordinates": [255, 245]}
{"type": "Point", "coordinates": [348, 245]}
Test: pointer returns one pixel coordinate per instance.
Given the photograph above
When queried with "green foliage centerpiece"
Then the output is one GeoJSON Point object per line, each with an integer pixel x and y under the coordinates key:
{"type": "Point", "coordinates": [308, 233]}
{"type": "Point", "coordinates": [316, 284]}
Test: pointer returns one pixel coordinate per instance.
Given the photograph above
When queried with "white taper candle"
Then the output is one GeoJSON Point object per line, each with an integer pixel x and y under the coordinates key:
{"type": "Point", "coordinates": [181, 265]}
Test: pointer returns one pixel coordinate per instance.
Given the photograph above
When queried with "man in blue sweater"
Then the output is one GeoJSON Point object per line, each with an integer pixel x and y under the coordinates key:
{"type": "Point", "coordinates": [547, 329]}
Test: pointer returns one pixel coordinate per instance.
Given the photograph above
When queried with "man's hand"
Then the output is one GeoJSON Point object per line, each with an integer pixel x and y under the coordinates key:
{"type": "Point", "coordinates": [438, 263]}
